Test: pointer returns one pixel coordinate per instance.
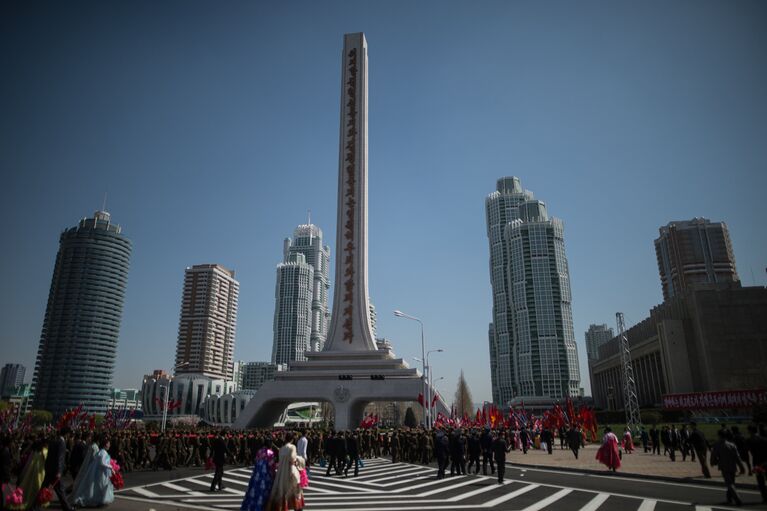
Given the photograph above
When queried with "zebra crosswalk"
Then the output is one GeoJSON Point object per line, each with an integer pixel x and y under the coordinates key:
{"type": "Point", "coordinates": [386, 486]}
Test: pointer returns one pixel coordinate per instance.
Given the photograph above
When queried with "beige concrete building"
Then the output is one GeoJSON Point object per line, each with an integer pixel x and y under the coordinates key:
{"type": "Point", "coordinates": [208, 322]}
{"type": "Point", "coordinates": [711, 338]}
{"type": "Point", "coordinates": [692, 252]}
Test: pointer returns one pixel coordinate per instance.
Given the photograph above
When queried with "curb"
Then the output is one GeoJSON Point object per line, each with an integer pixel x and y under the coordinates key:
{"type": "Point", "coordinates": [630, 475]}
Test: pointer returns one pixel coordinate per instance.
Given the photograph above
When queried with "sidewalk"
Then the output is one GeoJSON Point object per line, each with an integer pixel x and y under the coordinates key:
{"type": "Point", "coordinates": [637, 464]}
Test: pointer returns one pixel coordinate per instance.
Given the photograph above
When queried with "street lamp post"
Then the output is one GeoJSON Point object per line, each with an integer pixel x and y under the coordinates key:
{"type": "Point", "coordinates": [167, 392]}
{"type": "Point", "coordinates": [401, 314]}
{"type": "Point", "coordinates": [429, 383]}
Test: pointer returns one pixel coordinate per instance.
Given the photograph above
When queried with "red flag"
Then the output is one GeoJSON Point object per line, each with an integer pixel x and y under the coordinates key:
{"type": "Point", "coordinates": [434, 400]}
{"type": "Point", "coordinates": [420, 399]}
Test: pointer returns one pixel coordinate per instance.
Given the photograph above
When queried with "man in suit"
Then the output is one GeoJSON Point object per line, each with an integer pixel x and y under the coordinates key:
{"type": "Point", "coordinates": [574, 439]}
{"type": "Point", "coordinates": [500, 448]}
{"type": "Point", "coordinates": [352, 449]}
{"type": "Point", "coordinates": [56, 464]}
{"type": "Point", "coordinates": [486, 441]}
{"type": "Point", "coordinates": [220, 452]}
{"type": "Point", "coordinates": [655, 438]}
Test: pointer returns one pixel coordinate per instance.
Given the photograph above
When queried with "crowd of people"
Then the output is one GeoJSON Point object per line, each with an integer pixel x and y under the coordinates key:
{"type": "Point", "coordinates": [34, 466]}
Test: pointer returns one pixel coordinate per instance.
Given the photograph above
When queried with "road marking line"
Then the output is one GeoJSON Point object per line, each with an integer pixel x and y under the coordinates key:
{"type": "Point", "coordinates": [145, 492]}
{"type": "Point", "coordinates": [447, 488]}
{"type": "Point", "coordinates": [207, 485]}
{"type": "Point", "coordinates": [702, 508]}
{"type": "Point", "coordinates": [137, 499]}
{"type": "Point", "coordinates": [509, 496]}
{"type": "Point", "coordinates": [182, 488]}
{"type": "Point", "coordinates": [472, 493]}
{"type": "Point", "coordinates": [416, 486]}
{"type": "Point", "coordinates": [548, 500]}
{"type": "Point", "coordinates": [597, 501]}
{"type": "Point", "coordinates": [647, 505]}
{"type": "Point", "coordinates": [408, 473]}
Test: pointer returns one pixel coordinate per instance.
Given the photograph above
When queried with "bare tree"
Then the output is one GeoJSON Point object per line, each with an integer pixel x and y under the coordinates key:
{"type": "Point", "coordinates": [462, 402]}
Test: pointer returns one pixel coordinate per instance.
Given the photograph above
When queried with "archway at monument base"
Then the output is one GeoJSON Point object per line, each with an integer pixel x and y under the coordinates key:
{"type": "Point", "coordinates": [348, 397]}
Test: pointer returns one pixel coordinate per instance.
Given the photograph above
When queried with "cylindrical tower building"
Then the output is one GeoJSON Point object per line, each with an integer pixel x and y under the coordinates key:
{"type": "Point", "coordinates": [78, 344]}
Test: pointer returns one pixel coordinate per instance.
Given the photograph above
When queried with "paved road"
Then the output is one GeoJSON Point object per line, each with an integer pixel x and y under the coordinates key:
{"type": "Point", "coordinates": [382, 485]}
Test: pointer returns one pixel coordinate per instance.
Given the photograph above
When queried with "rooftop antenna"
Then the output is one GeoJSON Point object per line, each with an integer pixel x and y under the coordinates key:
{"type": "Point", "coordinates": [309, 222]}
{"type": "Point", "coordinates": [104, 203]}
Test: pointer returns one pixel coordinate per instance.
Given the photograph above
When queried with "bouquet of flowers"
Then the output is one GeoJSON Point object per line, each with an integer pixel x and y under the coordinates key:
{"type": "Point", "coordinates": [44, 496]}
{"type": "Point", "coordinates": [13, 498]}
{"type": "Point", "coordinates": [117, 477]}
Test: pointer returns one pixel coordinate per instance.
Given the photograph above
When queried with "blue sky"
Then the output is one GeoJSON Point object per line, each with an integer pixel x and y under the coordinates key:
{"type": "Point", "coordinates": [213, 128]}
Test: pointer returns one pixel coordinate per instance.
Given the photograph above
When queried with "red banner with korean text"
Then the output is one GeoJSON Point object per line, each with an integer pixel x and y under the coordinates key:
{"type": "Point", "coordinates": [724, 399]}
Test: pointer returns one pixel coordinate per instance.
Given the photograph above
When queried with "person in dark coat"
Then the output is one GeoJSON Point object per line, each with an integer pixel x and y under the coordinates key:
{"type": "Point", "coordinates": [524, 437]}
{"type": "Point", "coordinates": [219, 455]}
{"type": "Point", "coordinates": [655, 439]}
{"type": "Point", "coordinates": [442, 451]}
{"type": "Point", "coordinates": [394, 447]}
{"type": "Point", "coordinates": [475, 449]}
{"type": "Point", "coordinates": [56, 464]}
{"type": "Point", "coordinates": [740, 442]}
{"type": "Point", "coordinates": [757, 446]}
{"type": "Point", "coordinates": [725, 455]}
{"type": "Point", "coordinates": [547, 438]}
{"type": "Point", "coordinates": [352, 449]}
{"type": "Point", "coordinates": [341, 452]}
{"type": "Point", "coordinates": [574, 439]}
{"type": "Point", "coordinates": [486, 442]}
{"type": "Point", "coordinates": [457, 453]}
{"type": "Point", "coordinates": [500, 448]}
{"type": "Point", "coordinates": [77, 456]}
{"type": "Point", "coordinates": [645, 439]}
{"type": "Point", "coordinates": [700, 447]}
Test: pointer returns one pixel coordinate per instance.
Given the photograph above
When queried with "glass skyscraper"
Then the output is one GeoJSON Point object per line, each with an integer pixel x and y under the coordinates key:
{"type": "Point", "coordinates": [78, 344]}
{"type": "Point", "coordinates": [532, 340]}
{"type": "Point", "coordinates": [307, 240]}
{"type": "Point", "coordinates": [292, 309]}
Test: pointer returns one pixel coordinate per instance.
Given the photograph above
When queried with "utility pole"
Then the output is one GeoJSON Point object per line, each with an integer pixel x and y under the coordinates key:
{"type": "Point", "coordinates": [630, 400]}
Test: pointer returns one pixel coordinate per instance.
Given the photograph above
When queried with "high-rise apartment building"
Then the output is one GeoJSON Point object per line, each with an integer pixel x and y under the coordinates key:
{"type": "Point", "coordinates": [78, 344]}
{"type": "Point", "coordinates": [254, 374]}
{"type": "Point", "coordinates": [11, 377]}
{"type": "Point", "coordinates": [307, 240]}
{"type": "Point", "coordinates": [532, 340]}
{"type": "Point", "coordinates": [692, 252]}
{"type": "Point", "coordinates": [596, 336]}
{"type": "Point", "coordinates": [208, 322]}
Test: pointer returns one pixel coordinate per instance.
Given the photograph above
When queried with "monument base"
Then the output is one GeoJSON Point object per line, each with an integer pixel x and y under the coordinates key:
{"type": "Point", "coordinates": [348, 380]}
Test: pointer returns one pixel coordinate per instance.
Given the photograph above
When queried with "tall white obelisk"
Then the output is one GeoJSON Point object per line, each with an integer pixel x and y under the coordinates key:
{"type": "Point", "coordinates": [350, 324]}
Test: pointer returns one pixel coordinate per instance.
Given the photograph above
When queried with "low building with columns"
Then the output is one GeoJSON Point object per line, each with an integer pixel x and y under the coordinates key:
{"type": "Point", "coordinates": [711, 338]}
{"type": "Point", "coordinates": [186, 393]}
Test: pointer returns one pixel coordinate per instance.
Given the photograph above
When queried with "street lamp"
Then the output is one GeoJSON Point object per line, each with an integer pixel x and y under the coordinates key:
{"type": "Point", "coordinates": [167, 391]}
{"type": "Point", "coordinates": [401, 314]}
{"type": "Point", "coordinates": [429, 385]}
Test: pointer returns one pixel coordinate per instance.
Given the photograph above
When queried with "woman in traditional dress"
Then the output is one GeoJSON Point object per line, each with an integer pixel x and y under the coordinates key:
{"type": "Point", "coordinates": [32, 473]}
{"type": "Point", "coordinates": [287, 493]}
{"type": "Point", "coordinates": [608, 452]}
{"type": "Point", "coordinates": [261, 481]}
{"type": "Point", "coordinates": [80, 482]}
{"type": "Point", "coordinates": [96, 489]}
{"type": "Point", "coordinates": [628, 442]}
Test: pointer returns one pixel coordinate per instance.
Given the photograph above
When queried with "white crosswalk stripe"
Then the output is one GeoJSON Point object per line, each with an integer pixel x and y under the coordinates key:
{"type": "Point", "coordinates": [385, 486]}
